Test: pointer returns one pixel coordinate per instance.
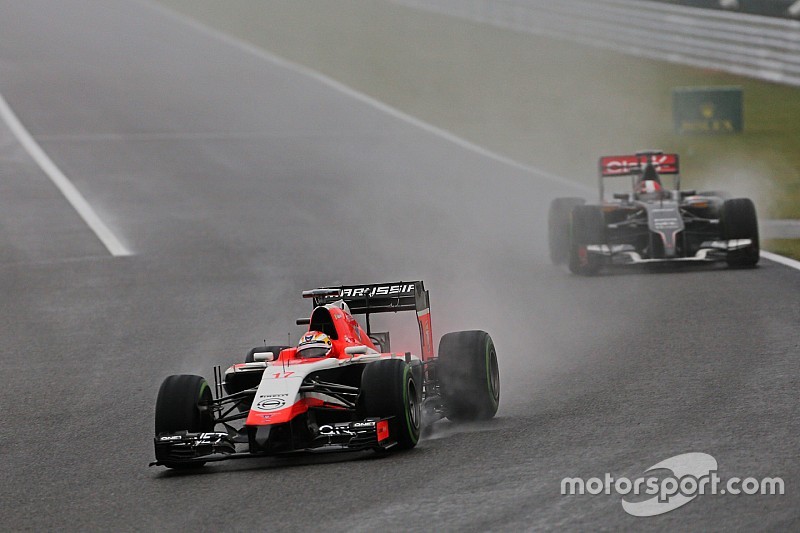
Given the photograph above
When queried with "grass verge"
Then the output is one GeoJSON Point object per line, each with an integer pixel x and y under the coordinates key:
{"type": "Point", "coordinates": [548, 103]}
{"type": "Point", "coordinates": [785, 247]}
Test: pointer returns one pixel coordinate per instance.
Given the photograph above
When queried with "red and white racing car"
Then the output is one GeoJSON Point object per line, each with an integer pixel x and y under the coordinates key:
{"type": "Point", "coordinates": [342, 387]}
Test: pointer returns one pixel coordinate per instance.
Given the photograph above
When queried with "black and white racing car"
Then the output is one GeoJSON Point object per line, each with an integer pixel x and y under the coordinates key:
{"type": "Point", "coordinates": [651, 223]}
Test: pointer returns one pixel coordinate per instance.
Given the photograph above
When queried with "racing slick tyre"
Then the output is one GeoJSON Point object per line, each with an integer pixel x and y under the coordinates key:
{"type": "Point", "coordinates": [739, 221]}
{"type": "Point", "coordinates": [469, 375]}
{"type": "Point", "coordinates": [558, 219]}
{"type": "Point", "coordinates": [250, 357]}
{"type": "Point", "coordinates": [389, 389]}
{"type": "Point", "coordinates": [183, 405]}
{"type": "Point", "coordinates": [588, 227]}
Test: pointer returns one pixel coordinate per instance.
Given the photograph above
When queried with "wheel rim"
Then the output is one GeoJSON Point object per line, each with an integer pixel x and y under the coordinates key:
{"type": "Point", "coordinates": [413, 405]}
{"type": "Point", "coordinates": [205, 408]}
{"type": "Point", "coordinates": [494, 374]}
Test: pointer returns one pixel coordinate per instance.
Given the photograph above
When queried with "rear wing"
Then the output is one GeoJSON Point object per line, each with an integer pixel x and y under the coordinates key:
{"type": "Point", "coordinates": [383, 298]}
{"type": "Point", "coordinates": [633, 165]}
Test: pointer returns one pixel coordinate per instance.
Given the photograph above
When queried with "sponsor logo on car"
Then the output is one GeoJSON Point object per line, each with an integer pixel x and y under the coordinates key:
{"type": "Point", "coordinates": [270, 404]}
{"type": "Point", "coordinates": [371, 291]}
{"type": "Point", "coordinates": [621, 165]}
{"type": "Point", "coordinates": [334, 430]}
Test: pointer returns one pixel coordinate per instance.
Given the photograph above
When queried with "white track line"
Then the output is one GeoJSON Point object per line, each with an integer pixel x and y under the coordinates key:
{"type": "Point", "coordinates": [791, 263]}
{"type": "Point", "coordinates": [349, 91]}
{"type": "Point", "coordinates": [63, 183]}
{"type": "Point", "coordinates": [430, 128]}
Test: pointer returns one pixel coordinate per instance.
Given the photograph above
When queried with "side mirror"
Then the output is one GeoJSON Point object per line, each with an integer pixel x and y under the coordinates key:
{"type": "Point", "coordinates": [303, 321]}
{"type": "Point", "coordinates": [315, 293]}
{"type": "Point", "coordinates": [355, 350]}
{"type": "Point", "coordinates": [625, 197]}
{"type": "Point", "coordinates": [262, 357]}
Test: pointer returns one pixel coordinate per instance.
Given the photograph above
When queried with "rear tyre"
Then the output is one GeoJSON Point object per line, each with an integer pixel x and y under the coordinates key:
{"type": "Point", "coordinates": [469, 375]}
{"type": "Point", "coordinates": [558, 221]}
{"type": "Point", "coordinates": [739, 221]}
{"type": "Point", "coordinates": [389, 389]}
{"type": "Point", "coordinates": [184, 404]}
{"type": "Point", "coordinates": [587, 227]}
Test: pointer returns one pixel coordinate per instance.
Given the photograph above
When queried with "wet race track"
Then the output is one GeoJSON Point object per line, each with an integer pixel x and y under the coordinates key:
{"type": "Point", "coordinates": [236, 181]}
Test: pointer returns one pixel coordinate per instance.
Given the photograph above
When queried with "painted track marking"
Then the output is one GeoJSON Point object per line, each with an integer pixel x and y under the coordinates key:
{"type": "Point", "coordinates": [70, 192]}
{"type": "Point", "coordinates": [353, 93]}
{"type": "Point", "coordinates": [396, 113]}
{"type": "Point", "coordinates": [786, 261]}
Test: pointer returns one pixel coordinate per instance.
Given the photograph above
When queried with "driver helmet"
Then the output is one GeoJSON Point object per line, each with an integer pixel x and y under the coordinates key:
{"type": "Point", "coordinates": [314, 344]}
{"type": "Point", "coordinates": [649, 190]}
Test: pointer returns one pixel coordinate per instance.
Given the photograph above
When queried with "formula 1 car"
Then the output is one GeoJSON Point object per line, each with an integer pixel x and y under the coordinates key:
{"type": "Point", "coordinates": [651, 224]}
{"type": "Point", "coordinates": [353, 393]}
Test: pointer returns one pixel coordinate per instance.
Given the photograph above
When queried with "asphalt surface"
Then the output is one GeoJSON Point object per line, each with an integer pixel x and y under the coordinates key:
{"type": "Point", "coordinates": [237, 183]}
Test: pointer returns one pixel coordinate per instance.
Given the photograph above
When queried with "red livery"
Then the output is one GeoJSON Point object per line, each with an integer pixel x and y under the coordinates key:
{"type": "Point", "coordinates": [341, 387]}
{"type": "Point", "coordinates": [625, 165]}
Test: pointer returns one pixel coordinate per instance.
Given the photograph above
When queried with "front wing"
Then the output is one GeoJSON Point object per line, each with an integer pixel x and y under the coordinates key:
{"type": "Point", "coordinates": [185, 447]}
{"type": "Point", "coordinates": [710, 251]}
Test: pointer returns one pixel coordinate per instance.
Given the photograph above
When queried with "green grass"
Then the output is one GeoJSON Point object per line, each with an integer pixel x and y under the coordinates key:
{"type": "Point", "coordinates": [786, 247]}
{"type": "Point", "coordinates": [548, 103]}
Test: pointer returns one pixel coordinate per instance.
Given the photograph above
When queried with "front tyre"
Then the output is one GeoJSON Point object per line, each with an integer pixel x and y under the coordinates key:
{"type": "Point", "coordinates": [389, 390]}
{"type": "Point", "coordinates": [469, 375]}
{"type": "Point", "coordinates": [739, 221]}
{"type": "Point", "coordinates": [558, 228]}
{"type": "Point", "coordinates": [184, 404]}
{"type": "Point", "coordinates": [588, 227]}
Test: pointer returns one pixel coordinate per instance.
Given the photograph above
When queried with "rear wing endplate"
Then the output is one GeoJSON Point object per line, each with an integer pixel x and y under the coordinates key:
{"type": "Point", "coordinates": [383, 298]}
